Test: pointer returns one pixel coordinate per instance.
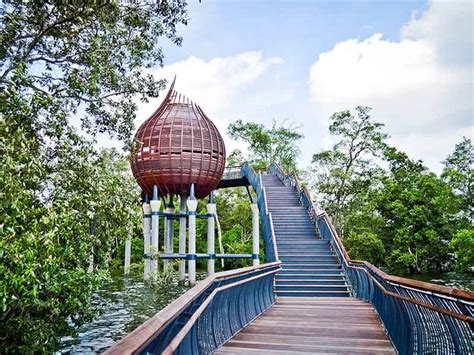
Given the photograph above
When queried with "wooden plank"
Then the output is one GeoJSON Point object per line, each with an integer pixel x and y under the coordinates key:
{"type": "Point", "coordinates": [305, 325]}
{"type": "Point", "coordinates": [313, 349]}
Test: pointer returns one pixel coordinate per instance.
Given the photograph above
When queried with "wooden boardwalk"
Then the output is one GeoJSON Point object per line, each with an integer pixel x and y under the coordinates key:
{"type": "Point", "coordinates": [316, 325]}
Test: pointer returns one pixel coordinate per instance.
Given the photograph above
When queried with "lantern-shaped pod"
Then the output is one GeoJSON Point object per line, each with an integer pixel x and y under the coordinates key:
{"type": "Point", "coordinates": [178, 146]}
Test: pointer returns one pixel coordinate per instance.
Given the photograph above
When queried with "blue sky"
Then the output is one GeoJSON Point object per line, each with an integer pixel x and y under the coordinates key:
{"type": "Point", "coordinates": [303, 60]}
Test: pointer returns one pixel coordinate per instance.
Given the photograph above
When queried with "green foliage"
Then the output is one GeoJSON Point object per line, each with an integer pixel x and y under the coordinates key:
{"type": "Point", "coordinates": [87, 54]}
{"type": "Point", "coordinates": [64, 64]}
{"type": "Point", "coordinates": [463, 247]}
{"type": "Point", "coordinates": [48, 208]}
{"type": "Point", "coordinates": [365, 246]}
{"type": "Point", "coordinates": [268, 145]}
{"type": "Point", "coordinates": [344, 173]}
{"type": "Point", "coordinates": [397, 209]}
{"type": "Point", "coordinates": [459, 174]}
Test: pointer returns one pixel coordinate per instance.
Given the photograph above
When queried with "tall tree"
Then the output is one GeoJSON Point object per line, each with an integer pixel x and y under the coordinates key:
{"type": "Point", "coordinates": [459, 174]}
{"type": "Point", "coordinates": [277, 144]}
{"type": "Point", "coordinates": [64, 64]}
{"type": "Point", "coordinates": [418, 211]}
{"type": "Point", "coordinates": [344, 172]}
{"type": "Point", "coordinates": [86, 54]}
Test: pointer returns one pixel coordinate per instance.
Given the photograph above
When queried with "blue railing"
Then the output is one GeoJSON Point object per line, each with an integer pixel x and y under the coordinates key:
{"type": "Point", "coordinates": [207, 315]}
{"type": "Point", "coordinates": [255, 180]}
{"type": "Point", "coordinates": [420, 318]}
{"type": "Point", "coordinates": [226, 311]}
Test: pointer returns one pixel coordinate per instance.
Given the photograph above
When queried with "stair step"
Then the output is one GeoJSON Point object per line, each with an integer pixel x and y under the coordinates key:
{"type": "Point", "coordinates": [301, 281]}
{"type": "Point", "coordinates": [281, 293]}
{"type": "Point", "coordinates": [336, 288]}
{"type": "Point", "coordinates": [309, 276]}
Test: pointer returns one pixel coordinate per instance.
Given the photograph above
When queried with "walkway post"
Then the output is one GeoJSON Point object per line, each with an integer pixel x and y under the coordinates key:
{"type": "Point", "coordinates": [192, 206]}
{"type": "Point", "coordinates": [169, 232]}
{"type": "Point", "coordinates": [155, 226]}
{"type": "Point", "coordinates": [182, 238]}
{"type": "Point", "coordinates": [146, 236]}
{"type": "Point", "coordinates": [128, 250]}
{"type": "Point", "coordinates": [255, 234]}
{"type": "Point", "coordinates": [211, 240]}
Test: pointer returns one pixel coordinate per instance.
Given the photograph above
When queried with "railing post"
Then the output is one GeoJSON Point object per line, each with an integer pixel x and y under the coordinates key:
{"type": "Point", "coordinates": [182, 238]}
{"type": "Point", "coordinates": [192, 206]}
{"type": "Point", "coordinates": [146, 237]}
{"type": "Point", "coordinates": [211, 240]}
{"type": "Point", "coordinates": [255, 234]}
{"type": "Point", "coordinates": [155, 226]}
{"type": "Point", "coordinates": [168, 233]}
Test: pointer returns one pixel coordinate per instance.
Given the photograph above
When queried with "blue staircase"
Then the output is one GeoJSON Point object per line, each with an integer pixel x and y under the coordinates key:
{"type": "Point", "coordinates": [309, 266]}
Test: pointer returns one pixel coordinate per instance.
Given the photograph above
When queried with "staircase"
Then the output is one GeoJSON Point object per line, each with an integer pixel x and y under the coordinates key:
{"type": "Point", "coordinates": [310, 267]}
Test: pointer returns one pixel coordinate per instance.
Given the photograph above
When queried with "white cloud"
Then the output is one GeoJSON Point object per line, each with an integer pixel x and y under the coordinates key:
{"type": "Point", "coordinates": [419, 86]}
{"type": "Point", "coordinates": [216, 85]}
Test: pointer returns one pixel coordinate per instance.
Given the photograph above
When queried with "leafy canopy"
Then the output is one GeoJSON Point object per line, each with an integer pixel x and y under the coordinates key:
{"type": "Point", "coordinates": [276, 144]}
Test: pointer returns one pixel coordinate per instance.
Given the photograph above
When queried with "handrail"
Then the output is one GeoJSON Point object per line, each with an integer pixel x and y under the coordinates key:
{"type": "Point", "coordinates": [426, 286]}
{"type": "Point", "coordinates": [420, 317]}
{"type": "Point", "coordinates": [255, 180]}
{"type": "Point", "coordinates": [272, 229]}
{"type": "Point", "coordinates": [162, 327]}
{"type": "Point", "coordinates": [179, 345]}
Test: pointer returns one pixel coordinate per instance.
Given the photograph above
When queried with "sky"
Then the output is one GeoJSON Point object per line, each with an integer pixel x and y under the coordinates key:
{"type": "Point", "coordinates": [302, 60]}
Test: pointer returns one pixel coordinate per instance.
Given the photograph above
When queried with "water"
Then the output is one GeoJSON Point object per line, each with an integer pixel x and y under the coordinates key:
{"type": "Point", "coordinates": [449, 279]}
{"type": "Point", "coordinates": [124, 304]}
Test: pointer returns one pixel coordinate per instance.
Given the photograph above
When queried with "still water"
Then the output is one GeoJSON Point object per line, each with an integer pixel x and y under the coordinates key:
{"type": "Point", "coordinates": [449, 279]}
{"type": "Point", "coordinates": [124, 304]}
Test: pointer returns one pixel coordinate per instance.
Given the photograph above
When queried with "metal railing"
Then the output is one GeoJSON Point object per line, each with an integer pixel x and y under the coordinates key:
{"type": "Point", "coordinates": [226, 311]}
{"type": "Point", "coordinates": [207, 315]}
{"type": "Point", "coordinates": [420, 318]}
{"type": "Point", "coordinates": [255, 180]}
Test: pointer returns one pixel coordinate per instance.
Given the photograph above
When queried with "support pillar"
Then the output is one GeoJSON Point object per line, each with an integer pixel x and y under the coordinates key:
{"type": "Point", "coordinates": [192, 206]}
{"type": "Point", "coordinates": [182, 238]}
{"type": "Point", "coordinates": [128, 250]}
{"type": "Point", "coordinates": [146, 236]}
{"type": "Point", "coordinates": [155, 226]}
{"type": "Point", "coordinates": [255, 235]}
{"type": "Point", "coordinates": [168, 244]}
{"type": "Point", "coordinates": [211, 239]}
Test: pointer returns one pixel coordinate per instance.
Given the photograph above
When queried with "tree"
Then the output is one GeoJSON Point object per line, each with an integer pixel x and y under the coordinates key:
{"type": "Point", "coordinates": [463, 247]}
{"type": "Point", "coordinates": [418, 211]}
{"type": "Point", "coordinates": [365, 246]}
{"type": "Point", "coordinates": [345, 172]}
{"type": "Point", "coordinates": [64, 64]}
{"type": "Point", "coordinates": [86, 55]}
{"type": "Point", "coordinates": [268, 145]}
{"type": "Point", "coordinates": [459, 174]}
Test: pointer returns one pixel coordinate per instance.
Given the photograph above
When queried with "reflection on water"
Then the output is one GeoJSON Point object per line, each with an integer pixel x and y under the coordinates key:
{"type": "Point", "coordinates": [449, 279]}
{"type": "Point", "coordinates": [124, 304]}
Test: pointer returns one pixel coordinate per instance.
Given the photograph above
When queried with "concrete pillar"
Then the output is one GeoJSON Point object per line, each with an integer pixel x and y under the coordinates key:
{"type": "Point", "coordinates": [182, 238]}
{"type": "Point", "coordinates": [168, 233]}
{"type": "Point", "coordinates": [146, 236]}
{"type": "Point", "coordinates": [155, 226]}
{"type": "Point", "coordinates": [192, 207]}
{"type": "Point", "coordinates": [211, 239]}
{"type": "Point", "coordinates": [128, 251]}
{"type": "Point", "coordinates": [255, 234]}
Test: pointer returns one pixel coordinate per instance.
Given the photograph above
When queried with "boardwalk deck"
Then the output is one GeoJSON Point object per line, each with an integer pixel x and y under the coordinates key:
{"type": "Point", "coordinates": [316, 325]}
